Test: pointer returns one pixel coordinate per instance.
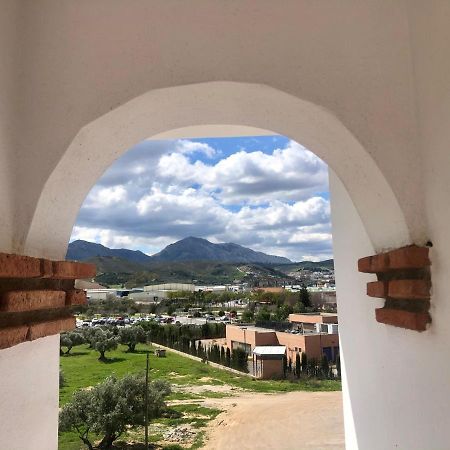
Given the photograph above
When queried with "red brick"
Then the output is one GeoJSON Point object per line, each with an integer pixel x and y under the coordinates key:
{"type": "Point", "coordinates": [364, 264]}
{"type": "Point", "coordinates": [19, 301]}
{"type": "Point", "coordinates": [403, 319]}
{"type": "Point", "coordinates": [411, 257]}
{"type": "Point", "coordinates": [374, 264]}
{"type": "Point", "coordinates": [46, 268]}
{"type": "Point", "coordinates": [380, 263]}
{"type": "Point", "coordinates": [76, 297]}
{"type": "Point", "coordinates": [18, 266]}
{"type": "Point", "coordinates": [41, 329]}
{"type": "Point", "coordinates": [11, 336]}
{"type": "Point", "coordinates": [409, 289]}
{"type": "Point", "coordinates": [70, 270]}
{"type": "Point", "coordinates": [377, 289]}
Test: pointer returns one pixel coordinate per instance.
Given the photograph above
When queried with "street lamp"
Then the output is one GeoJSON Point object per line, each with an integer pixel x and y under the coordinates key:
{"type": "Point", "coordinates": [245, 340]}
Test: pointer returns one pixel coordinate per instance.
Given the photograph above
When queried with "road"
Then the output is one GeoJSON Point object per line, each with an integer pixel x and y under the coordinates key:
{"type": "Point", "coordinates": [291, 421]}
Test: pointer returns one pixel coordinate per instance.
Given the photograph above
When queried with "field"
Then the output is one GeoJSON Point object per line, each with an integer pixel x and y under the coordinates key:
{"type": "Point", "coordinates": [192, 382]}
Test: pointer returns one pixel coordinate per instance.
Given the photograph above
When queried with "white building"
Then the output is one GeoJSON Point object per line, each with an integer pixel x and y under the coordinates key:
{"type": "Point", "coordinates": [170, 287]}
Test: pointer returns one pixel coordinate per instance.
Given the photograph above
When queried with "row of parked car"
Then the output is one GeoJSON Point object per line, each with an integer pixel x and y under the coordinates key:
{"type": "Point", "coordinates": [122, 321]}
{"type": "Point", "coordinates": [127, 321]}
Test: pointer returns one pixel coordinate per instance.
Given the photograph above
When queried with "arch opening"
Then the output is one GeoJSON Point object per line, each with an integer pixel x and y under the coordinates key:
{"type": "Point", "coordinates": [216, 108]}
{"type": "Point", "coordinates": [202, 109]}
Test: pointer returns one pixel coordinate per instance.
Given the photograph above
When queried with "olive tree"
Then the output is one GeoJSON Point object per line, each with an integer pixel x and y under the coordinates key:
{"type": "Point", "coordinates": [70, 340]}
{"type": "Point", "coordinates": [111, 408]}
{"type": "Point", "coordinates": [131, 336]}
{"type": "Point", "coordinates": [104, 341]}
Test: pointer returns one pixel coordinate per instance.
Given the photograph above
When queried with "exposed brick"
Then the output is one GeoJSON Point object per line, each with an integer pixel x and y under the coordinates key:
{"type": "Point", "coordinates": [70, 270]}
{"type": "Point", "coordinates": [380, 263]}
{"type": "Point", "coordinates": [411, 257]}
{"type": "Point", "coordinates": [18, 266]}
{"type": "Point", "coordinates": [364, 264]}
{"type": "Point", "coordinates": [12, 336]}
{"type": "Point", "coordinates": [46, 268]}
{"type": "Point", "coordinates": [377, 289]}
{"type": "Point", "coordinates": [76, 297]}
{"type": "Point", "coordinates": [409, 289]}
{"type": "Point", "coordinates": [19, 301]}
{"type": "Point", "coordinates": [41, 329]}
{"type": "Point", "coordinates": [374, 264]}
{"type": "Point", "coordinates": [416, 321]}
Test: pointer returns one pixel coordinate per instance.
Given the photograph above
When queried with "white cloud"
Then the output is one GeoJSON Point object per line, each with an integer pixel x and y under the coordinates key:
{"type": "Point", "coordinates": [159, 192]}
{"type": "Point", "coordinates": [188, 147]}
{"type": "Point", "coordinates": [290, 173]}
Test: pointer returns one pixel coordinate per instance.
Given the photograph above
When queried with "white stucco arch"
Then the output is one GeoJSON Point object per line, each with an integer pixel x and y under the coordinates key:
{"type": "Point", "coordinates": [202, 109]}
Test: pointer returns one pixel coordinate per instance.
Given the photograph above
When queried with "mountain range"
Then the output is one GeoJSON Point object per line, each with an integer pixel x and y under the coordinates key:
{"type": "Point", "coordinates": [188, 249]}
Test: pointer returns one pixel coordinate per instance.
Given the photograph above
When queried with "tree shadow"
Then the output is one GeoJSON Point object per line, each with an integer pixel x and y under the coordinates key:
{"type": "Point", "coordinates": [111, 360]}
{"type": "Point", "coordinates": [134, 446]}
{"type": "Point", "coordinates": [67, 355]}
{"type": "Point", "coordinates": [142, 352]}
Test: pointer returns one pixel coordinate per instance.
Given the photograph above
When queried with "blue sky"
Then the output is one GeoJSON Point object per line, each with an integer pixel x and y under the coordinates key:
{"type": "Point", "coordinates": [264, 192]}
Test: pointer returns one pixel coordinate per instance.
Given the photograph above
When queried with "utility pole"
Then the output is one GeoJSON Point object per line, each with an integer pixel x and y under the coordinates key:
{"type": "Point", "coordinates": [146, 405]}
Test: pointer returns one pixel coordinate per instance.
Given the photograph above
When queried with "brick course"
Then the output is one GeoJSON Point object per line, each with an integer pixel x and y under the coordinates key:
{"type": "Point", "coordinates": [403, 280]}
{"type": "Point", "coordinates": [69, 270]}
{"type": "Point", "coordinates": [409, 289]}
{"type": "Point", "coordinates": [12, 336]}
{"type": "Point", "coordinates": [18, 266]}
{"type": "Point", "coordinates": [416, 321]}
{"type": "Point", "coordinates": [41, 329]}
{"type": "Point", "coordinates": [19, 301]}
{"type": "Point", "coordinates": [374, 264]}
{"type": "Point", "coordinates": [411, 257]}
{"type": "Point", "coordinates": [35, 297]}
{"type": "Point", "coordinates": [377, 289]}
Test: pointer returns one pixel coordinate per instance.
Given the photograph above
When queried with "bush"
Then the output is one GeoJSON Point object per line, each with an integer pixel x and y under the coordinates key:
{"type": "Point", "coordinates": [239, 360]}
{"type": "Point", "coordinates": [104, 341]}
{"type": "Point", "coordinates": [70, 340]}
{"type": "Point", "coordinates": [131, 336]}
{"type": "Point", "coordinates": [111, 407]}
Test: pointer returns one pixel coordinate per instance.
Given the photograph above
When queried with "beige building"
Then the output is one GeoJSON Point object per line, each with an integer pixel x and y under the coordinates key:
{"type": "Point", "coordinates": [268, 362]}
{"type": "Point", "coordinates": [314, 344]}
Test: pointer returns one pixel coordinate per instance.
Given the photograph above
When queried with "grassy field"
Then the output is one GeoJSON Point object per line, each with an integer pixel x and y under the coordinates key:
{"type": "Point", "coordinates": [83, 369]}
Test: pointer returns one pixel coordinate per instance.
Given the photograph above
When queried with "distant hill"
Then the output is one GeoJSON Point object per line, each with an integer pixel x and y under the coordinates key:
{"type": "Point", "coordinates": [308, 265]}
{"type": "Point", "coordinates": [83, 250]}
{"type": "Point", "coordinates": [116, 271]}
{"type": "Point", "coordinates": [197, 249]}
{"type": "Point", "coordinates": [188, 249]}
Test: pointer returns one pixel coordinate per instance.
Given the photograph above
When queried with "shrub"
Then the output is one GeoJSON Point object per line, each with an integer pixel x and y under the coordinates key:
{"type": "Point", "coordinates": [70, 340]}
{"type": "Point", "coordinates": [111, 407]}
{"type": "Point", "coordinates": [131, 336]}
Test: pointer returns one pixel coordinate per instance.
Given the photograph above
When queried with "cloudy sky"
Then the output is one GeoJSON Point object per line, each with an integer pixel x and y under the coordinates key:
{"type": "Point", "coordinates": [264, 192]}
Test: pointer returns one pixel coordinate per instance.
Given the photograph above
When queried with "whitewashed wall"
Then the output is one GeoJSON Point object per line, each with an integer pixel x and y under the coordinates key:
{"type": "Point", "coordinates": [373, 75]}
{"type": "Point", "coordinates": [29, 380]}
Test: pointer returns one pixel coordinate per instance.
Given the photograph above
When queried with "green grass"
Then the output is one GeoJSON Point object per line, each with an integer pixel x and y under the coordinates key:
{"type": "Point", "coordinates": [83, 369]}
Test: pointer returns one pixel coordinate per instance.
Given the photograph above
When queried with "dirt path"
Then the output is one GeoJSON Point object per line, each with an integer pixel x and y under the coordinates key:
{"type": "Point", "coordinates": [292, 421]}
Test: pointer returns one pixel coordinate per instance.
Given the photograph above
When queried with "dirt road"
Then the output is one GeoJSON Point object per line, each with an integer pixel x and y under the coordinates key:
{"type": "Point", "coordinates": [292, 421]}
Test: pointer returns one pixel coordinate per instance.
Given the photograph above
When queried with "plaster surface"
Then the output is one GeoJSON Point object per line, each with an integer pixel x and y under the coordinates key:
{"type": "Point", "coordinates": [99, 143]}
{"type": "Point", "coordinates": [29, 380]}
{"type": "Point", "coordinates": [362, 84]}
{"type": "Point", "coordinates": [77, 61]}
